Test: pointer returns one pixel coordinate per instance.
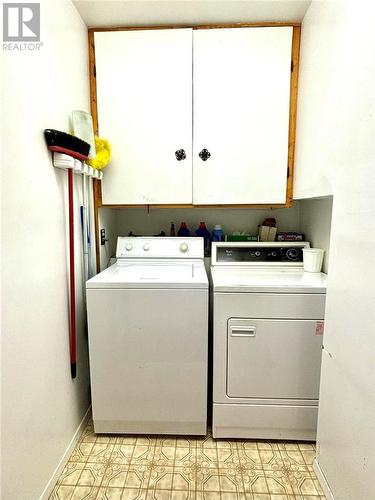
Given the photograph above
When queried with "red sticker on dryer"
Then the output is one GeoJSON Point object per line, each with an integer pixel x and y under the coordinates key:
{"type": "Point", "coordinates": [319, 328]}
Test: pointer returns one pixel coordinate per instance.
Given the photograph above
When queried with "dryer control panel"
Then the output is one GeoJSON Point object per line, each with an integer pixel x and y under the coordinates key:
{"type": "Point", "coordinates": [259, 253]}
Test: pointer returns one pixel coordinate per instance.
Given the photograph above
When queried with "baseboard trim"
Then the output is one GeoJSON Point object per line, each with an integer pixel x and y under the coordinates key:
{"type": "Point", "coordinates": [57, 472]}
{"type": "Point", "coordinates": [323, 481]}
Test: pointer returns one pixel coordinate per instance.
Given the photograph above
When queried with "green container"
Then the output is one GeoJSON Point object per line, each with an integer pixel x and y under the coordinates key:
{"type": "Point", "coordinates": [241, 237]}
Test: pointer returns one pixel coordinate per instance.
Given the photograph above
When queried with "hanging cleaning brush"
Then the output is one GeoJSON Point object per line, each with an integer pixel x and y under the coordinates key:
{"type": "Point", "coordinates": [61, 142]}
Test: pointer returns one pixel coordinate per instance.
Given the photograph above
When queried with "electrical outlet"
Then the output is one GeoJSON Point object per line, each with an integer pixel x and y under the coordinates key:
{"type": "Point", "coordinates": [102, 236]}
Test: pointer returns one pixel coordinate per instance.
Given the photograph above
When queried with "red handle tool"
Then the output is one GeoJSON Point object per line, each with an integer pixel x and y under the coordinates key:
{"type": "Point", "coordinates": [73, 347]}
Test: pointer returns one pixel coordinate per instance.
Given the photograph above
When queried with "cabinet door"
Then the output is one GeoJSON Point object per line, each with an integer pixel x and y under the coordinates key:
{"type": "Point", "coordinates": [241, 114]}
{"type": "Point", "coordinates": [144, 99]}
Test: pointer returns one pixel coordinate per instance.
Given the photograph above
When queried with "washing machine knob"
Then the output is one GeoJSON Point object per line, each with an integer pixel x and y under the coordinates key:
{"type": "Point", "coordinates": [146, 247]}
{"type": "Point", "coordinates": [128, 247]}
{"type": "Point", "coordinates": [184, 247]}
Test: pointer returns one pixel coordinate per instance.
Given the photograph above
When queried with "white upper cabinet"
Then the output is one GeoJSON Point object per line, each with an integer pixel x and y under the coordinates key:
{"type": "Point", "coordinates": [241, 114]}
{"type": "Point", "coordinates": [220, 95]}
{"type": "Point", "coordinates": [144, 100]}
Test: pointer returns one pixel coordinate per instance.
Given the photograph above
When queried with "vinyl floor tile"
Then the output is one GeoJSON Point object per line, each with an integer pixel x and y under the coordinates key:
{"type": "Point", "coordinates": [85, 493]}
{"type": "Point", "coordinates": [122, 453]}
{"type": "Point", "coordinates": [231, 443]}
{"type": "Point", "coordinates": [317, 486]}
{"type": "Point", "coordinates": [306, 487]}
{"type": "Point", "coordinates": [82, 451]}
{"type": "Point", "coordinates": [185, 456]}
{"type": "Point", "coordinates": [293, 456]}
{"type": "Point", "coordinates": [138, 477]}
{"type": "Point", "coordinates": [88, 435]}
{"type": "Point", "coordinates": [106, 438]}
{"type": "Point", "coordinates": [270, 459]}
{"type": "Point", "coordinates": [226, 457]}
{"type": "Point", "coordinates": [282, 497]}
{"type": "Point", "coordinates": [92, 474]}
{"type": "Point", "coordinates": [126, 439]}
{"type": "Point", "coordinates": [100, 453]}
{"type": "Point", "coordinates": [166, 441]}
{"type": "Point", "coordinates": [164, 455]}
{"type": "Point", "coordinates": [207, 457]}
{"type": "Point", "coordinates": [182, 495]}
{"type": "Point", "coordinates": [116, 476]}
{"type": "Point", "coordinates": [71, 473]}
{"type": "Point", "coordinates": [159, 495]}
{"type": "Point", "coordinates": [278, 485]}
{"type": "Point", "coordinates": [161, 478]}
{"type": "Point", "coordinates": [127, 467]}
{"type": "Point", "coordinates": [230, 482]}
{"type": "Point", "coordinates": [133, 494]}
{"type": "Point", "coordinates": [261, 496]}
{"type": "Point", "coordinates": [308, 456]}
{"type": "Point", "coordinates": [207, 495]}
{"type": "Point", "coordinates": [183, 479]}
{"type": "Point", "coordinates": [185, 442]}
{"type": "Point", "coordinates": [255, 482]}
{"type": "Point", "coordinates": [208, 480]}
{"type": "Point", "coordinates": [62, 492]}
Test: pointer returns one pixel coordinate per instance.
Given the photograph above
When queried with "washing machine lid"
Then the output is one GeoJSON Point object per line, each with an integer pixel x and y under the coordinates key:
{"type": "Point", "coordinates": [278, 280]}
{"type": "Point", "coordinates": [149, 273]}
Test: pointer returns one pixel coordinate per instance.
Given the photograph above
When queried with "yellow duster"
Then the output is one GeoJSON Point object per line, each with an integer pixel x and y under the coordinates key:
{"type": "Point", "coordinates": [103, 154]}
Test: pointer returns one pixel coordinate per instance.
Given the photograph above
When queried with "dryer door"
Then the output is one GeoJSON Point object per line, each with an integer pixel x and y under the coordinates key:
{"type": "Point", "coordinates": [273, 358]}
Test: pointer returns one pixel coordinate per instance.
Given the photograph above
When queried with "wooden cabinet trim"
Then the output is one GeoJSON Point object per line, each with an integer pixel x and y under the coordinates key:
{"type": "Point", "coordinates": [292, 115]}
{"type": "Point", "coordinates": [197, 26]}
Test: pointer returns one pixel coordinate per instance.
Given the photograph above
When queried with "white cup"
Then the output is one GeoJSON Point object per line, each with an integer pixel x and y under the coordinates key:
{"type": "Point", "coordinates": [312, 259]}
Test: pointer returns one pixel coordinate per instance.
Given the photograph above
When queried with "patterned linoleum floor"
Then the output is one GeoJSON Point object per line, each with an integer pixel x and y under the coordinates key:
{"type": "Point", "coordinates": [106, 467]}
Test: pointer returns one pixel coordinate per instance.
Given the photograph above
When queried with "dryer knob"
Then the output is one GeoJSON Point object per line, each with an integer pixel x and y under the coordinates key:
{"type": "Point", "coordinates": [184, 247]}
{"type": "Point", "coordinates": [292, 253]}
{"type": "Point", "coordinates": [146, 247]}
{"type": "Point", "coordinates": [128, 247]}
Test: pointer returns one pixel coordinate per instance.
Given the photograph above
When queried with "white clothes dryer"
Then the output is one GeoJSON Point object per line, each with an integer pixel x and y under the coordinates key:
{"type": "Point", "coordinates": [268, 319]}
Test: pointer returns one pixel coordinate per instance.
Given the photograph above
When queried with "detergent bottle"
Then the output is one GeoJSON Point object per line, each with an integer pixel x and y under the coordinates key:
{"type": "Point", "coordinates": [184, 230]}
{"type": "Point", "coordinates": [204, 233]}
{"type": "Point", "coordinates": [217, 233]}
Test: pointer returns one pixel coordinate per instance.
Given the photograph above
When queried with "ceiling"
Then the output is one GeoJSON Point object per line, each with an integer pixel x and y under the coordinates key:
{"type": "Point", "coordinates": [109, 13]}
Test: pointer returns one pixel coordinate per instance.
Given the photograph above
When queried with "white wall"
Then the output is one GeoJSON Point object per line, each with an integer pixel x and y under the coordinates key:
{"type": "Point", "coordinates": [41, 405]}
{"type": "Point", "coordinates": [100, 13]}
{"type": "Point", "coordinates": [108, 222]}
{"type": "Point", "coordinates": [336, 155]}
{"type": "Point", "coordinates": [319, 103]}
{"type": "Point", "coordinates": [315, 217]}
{"type": "Point", "coordinates": [145, 223]}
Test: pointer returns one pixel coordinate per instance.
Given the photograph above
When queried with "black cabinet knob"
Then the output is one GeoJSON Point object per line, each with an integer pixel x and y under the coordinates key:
{"type": "Point", "coordinates": [180, 154]}
{"type": "Point", "coordinates": [204, 155]}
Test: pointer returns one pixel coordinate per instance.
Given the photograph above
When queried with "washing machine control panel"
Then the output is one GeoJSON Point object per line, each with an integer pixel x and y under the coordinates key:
{"type": "Point", "coordinates": [159, 247]}
{"type": "Point", "coordinates": [258, 253]}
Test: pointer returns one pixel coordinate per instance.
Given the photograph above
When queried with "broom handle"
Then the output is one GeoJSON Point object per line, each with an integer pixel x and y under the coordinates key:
{"type": "Point", "coordinates": [73, 349]}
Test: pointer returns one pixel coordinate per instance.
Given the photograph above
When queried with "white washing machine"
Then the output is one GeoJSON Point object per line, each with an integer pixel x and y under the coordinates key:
{"type": "Point", "coordinates": [268, 317]}
{"type": "Point", "coordinates": [148, 337]}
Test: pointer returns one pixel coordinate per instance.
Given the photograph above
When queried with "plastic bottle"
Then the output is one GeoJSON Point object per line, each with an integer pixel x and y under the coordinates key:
{"type": "Point", "coordinates": [204, 233]}
{"type": "Point", "coordinates": [172, 231]}
{"type": "Point", "coordinates": [217, 233]}
{"type": "Point", "coordinates": [184, 230]}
